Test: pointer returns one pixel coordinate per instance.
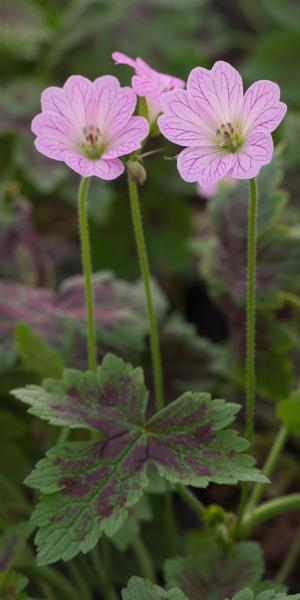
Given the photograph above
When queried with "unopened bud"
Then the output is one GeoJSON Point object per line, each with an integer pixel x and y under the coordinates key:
{"type": "Point", "coordinates": [137, 171]}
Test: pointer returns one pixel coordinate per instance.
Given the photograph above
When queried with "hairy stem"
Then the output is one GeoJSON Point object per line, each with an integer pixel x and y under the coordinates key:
{"type": "Point", "coordinates": [87, 270]}
{"type": "Point", "coordinates": [144, 264]}
{"type": "Point", "coordinates": [250, 344]}
{"type": "Point", "coordinates": [268, 468]}
{"type": "Point", "coordinates": [251, 279]}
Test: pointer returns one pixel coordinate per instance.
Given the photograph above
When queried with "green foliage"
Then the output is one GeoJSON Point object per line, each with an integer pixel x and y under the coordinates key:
{"type": "Point", "coordinates": [216, 573]}
{"type": "Point", "coordinates": [12, 586]}
{"type": "Point", "coordinates": [88, 487]}
{"type": "Point", "coordinates": [36, 354]}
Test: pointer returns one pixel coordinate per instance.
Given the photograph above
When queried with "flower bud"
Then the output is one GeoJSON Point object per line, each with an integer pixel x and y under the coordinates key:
{"type": "Point", "coordinates": [137, 171]}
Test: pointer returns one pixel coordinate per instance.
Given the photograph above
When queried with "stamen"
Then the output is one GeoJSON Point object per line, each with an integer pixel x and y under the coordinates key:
{"type": "Point", "coordinates": [93, 146]}
{"type": "Point", "coordinates": [228, 136]}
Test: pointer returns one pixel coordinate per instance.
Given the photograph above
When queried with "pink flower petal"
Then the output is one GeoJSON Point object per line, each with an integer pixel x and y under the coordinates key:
{"type": "Point", "coordinates": [79, 94]}
{"type": "Point", "coordinates": [205, 165]}
{"type": "Point", "coordinates": [123, 59]}
{"type": "Point", "coordinates": [219, 92]}
{"type": "Point", "coordinates": [182, 123]}
{"type": "Point", "coordinates": [54, 138]}
{"type": "Point", "coordinates": [114, 105]}
{"type": "Point", "coordinates": [129, 139]}
{"type": "Point", "coordinates": [262, 108]}
{"type": "Point", "coordinates": [105, 169]}
{"type": "Point", "coordinates": [257, 151]}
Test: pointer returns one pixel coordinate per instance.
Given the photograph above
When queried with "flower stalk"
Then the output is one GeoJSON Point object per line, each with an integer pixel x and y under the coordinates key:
{"type": "Point", "coordinates": [144, 264]}
{"type": "Point", "coordinates": [87, 270]}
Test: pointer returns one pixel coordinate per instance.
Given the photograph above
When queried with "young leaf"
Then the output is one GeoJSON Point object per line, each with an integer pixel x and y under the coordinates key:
{"type": "Point", "coordinates": [36, 353]}
{"type": "Point", "coordinates": [141, 589]}
{"type": "Point", "coordinates": [247, 594]}
{"type": "Point", "coordinates": [216, 573]}
{"type": "Point", "coordinates": [88, 487]}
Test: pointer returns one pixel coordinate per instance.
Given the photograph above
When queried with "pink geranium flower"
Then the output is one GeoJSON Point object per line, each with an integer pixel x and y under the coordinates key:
{"type": "Point", "coordinates": [149, 83]}
{"type": "Point", "coordinates": [89, 125]}
{"type": "Point", "coordinates": [225, 131]}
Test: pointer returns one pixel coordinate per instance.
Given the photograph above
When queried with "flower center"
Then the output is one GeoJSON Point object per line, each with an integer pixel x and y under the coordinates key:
{"type": "Point", "coordinates": [228, 137]}
{"type": "Point", "coordinates": [93, 145]}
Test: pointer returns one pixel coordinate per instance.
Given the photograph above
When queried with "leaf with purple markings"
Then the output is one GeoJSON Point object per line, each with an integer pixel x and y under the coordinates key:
{"type": "Point", "coordinates": [142, 589]}
{"type": "Point", "coordinates": [88, 487]}
{"type": "Point", "coordinates": [216, 573]}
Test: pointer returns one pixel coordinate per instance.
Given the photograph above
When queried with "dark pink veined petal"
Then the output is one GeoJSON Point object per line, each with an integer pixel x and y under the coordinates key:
{"type": "Point", "coordinates": [257, 151]}
{"type": "Point", "coordinates": [129, 139]}
{"type": "Point", "coordinates": [123, 59]}
{"type": "Point", "coordinates": [105, 169]}
{"type": "Point", "coordinates": [114, 105]}
{"type": "Point", "coordinates": [262, 108]}
{"type": "Point", "coordinates": [218, 92]}
{"type": "Point", "coordinates": [54, 134]}
{"type": "Point", "coordinates": [182, 123]}
{"type": "Point", "coordinates": [205, 165]}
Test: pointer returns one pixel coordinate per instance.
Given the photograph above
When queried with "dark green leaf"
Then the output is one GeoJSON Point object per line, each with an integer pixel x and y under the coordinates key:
{"type": "Point", "coordinates": [36, 353]}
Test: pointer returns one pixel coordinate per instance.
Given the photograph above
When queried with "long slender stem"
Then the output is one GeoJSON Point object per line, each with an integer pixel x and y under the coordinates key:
{"type": "Point", "coordinates": [144, 264]}
{"type": "Point", "coordinates": [79, 580]}
{"type": "Point", "coordinates": [192, 501]}
{"type": "Point", "coordinates": [251, 279]}
{"type": "Point", "coordinates": [250, 346]}
{"type": "Point", "coordinates": [54, 578]}
{"type": "Point", "coordinates": [144, 559]}
{"type": "Point", "coordinates": [106, 588]}
{"type": "Point", "coordinates": [268, 468]}
{"type": "Point", "coordinates": [290, 560]}
{"type": "Point", "coordinates": [268, 510]}
{"type": "Point", "coordinates": [87, 270]}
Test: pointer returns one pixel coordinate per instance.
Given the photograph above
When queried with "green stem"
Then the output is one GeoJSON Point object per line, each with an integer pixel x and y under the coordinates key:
{"type": "Point", "coordinates": [106, 588]}
{"type": "Point", "coordinates": [87, 270]}
{"type": "Point", "coordinates": [144, 264]}
{"type": "Point", "coordinates": [251, 279]}
{"type": "Point", "coordinates": [268, 510]}
{"type": "Point", "coordinates": [79, 580]}
{"type": "Point", "coordinates": [290, 560]}
{"type": "Point", "coordinates": [192, 501]}
{"type": "Point", "coordinates": [250, 347]}
{"type": "Point", "coordinates": [144, 559]}
{"type": "Point", "coordinates": [268, 468]}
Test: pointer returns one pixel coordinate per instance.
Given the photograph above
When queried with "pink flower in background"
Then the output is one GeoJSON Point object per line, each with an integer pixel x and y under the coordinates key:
{"type": "Point", "coordinates": [89, 125]}
{"type": "Point", "coordinates": [149, 83]}
{"type": "Point", "coordinates": [225, 131]}
{"type": "Point", "coordinates": [210, 189]}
